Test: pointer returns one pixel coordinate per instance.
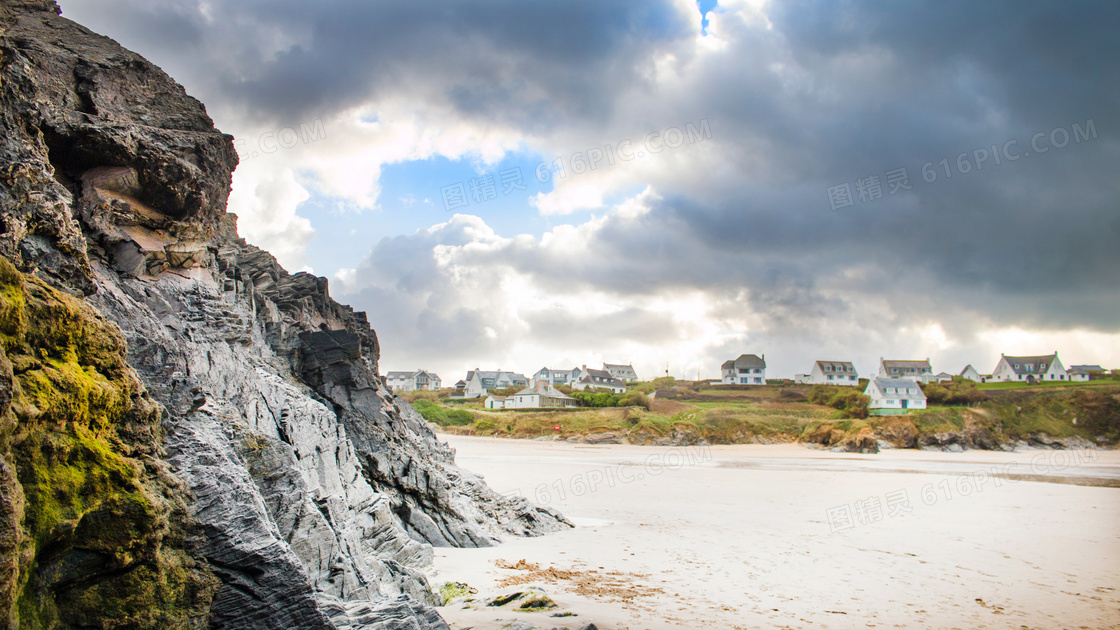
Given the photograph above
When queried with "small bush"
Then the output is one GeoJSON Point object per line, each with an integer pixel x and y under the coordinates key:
{"type": "Point", "coordinates": [484, 425]}
{"type": "Point", "coordinates": [634, 399]}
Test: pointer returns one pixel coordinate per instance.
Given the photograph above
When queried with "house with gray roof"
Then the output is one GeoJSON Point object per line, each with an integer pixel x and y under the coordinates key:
{"type": "Point", "coordinates": [598, 379]}
{"type": "Point", "coordinates": [412, 381]}
{"type": "Point", "coordinates": [539, 396]}
{"type": "Point", "coordinates": [1084, 372]}
{"type": "Point", "coordinates": [748, 369]}
{"type": "Point", "coordinates": [830, 373]}
{"type": "Point", "coordinates": [919, 371]}
{"type": "Point", "coordinates": [624, 373]}
{"type": "Point", "coordinates": [480, 382]}
{"type": "Point", "coordinates": [971, 374]}
{"type": "Point", "coordinates": [894, 396]}
{"type": "Point", "coordinates": [1047, 367]}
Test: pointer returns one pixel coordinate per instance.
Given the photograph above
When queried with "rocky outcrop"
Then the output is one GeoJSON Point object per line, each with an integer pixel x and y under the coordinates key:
{"type": "Point", "coordinates": [314, 494]}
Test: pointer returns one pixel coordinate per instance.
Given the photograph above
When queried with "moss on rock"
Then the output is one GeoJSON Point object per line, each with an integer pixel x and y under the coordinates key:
{"type": "Point", "coordinates": [98, 532]}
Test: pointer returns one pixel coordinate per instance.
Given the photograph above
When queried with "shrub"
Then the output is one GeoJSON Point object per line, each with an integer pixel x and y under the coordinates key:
{"type": "Point", "coordinates": [484, 425]}
{"type": "Point", "coordinates": [442, 416]}
{"type": "Point", "coordinates": [634, 399]}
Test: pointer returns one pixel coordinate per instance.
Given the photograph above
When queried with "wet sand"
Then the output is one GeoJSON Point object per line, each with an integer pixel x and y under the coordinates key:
{"type": "Point", "coordinates": [786, 536]}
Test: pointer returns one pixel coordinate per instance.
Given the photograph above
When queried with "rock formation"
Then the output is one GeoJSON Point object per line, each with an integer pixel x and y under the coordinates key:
{"type": "Point", "coordinates": [257, 471]}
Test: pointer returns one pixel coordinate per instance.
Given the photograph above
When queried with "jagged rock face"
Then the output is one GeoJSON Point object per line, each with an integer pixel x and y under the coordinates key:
{"type": "Point", "coordinates": [317, 494]}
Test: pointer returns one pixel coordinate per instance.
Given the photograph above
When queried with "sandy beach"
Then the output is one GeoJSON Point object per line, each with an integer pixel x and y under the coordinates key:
{"type": "Point", "coordinates": [789, 537]}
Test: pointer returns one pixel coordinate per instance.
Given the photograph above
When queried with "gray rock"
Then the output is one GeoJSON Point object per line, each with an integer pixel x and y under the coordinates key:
{"type": "Point", "coordinates": [317, 493]}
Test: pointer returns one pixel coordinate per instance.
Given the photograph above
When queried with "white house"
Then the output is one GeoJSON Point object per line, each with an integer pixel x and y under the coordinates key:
{"type": "Point", "coordinates": [890, 396]}
{"type": "Point", "coordinates": [480, 382]}
{"type": "Point", "coordinates": [830, 373]}
{"type": "Point", "coordinates": [556, 377]}
{"type": "Point", "coordinates": [1030, 369]}
{"type": "Point", "coordinates": [411, 381]}
{"type": "Point", "coordinates": [1083, 372]}
{"type": "Point", "coordinates": [599, 379]}
{"type": "Point", "coordinates": [495, 402]}
{"type": "Point", "coordinates": [971, 374]}
{"type": "Point", "coordinates": [624, 373]}
{"type": "Point", "coordinates": [539, 396]}
{"type": "Point", "coordinates": [919, 371]}
{"type": "Point", "coordinates": [748, 369]}
{"type": "Point", "coordinates": [943, 377]}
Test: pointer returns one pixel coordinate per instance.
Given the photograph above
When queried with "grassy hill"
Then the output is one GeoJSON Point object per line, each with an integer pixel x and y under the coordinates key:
{"type": "Point", "coordinates": [681, 412]}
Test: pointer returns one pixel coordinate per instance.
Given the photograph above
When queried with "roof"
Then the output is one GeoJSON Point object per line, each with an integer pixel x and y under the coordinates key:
{"type": "Point", "coordinates": [837, 366]}
{"type": "Point", "coordinates": [600, 378]}
{"type": "Point", "coordinates": [1086, 368]}
{"type": "Point", "coordinates": [894, 363]}
{"type": "Point", "coordinates": [911, 391]}
{"type": "Point", "coordinates": [745, 361]}
{"type": "Point", "coordinates": [497, 398]}
{"type": "Point", "coordinates": [1034, 362]}
{"type": "Point", "coordinates": [495, 374]}
{"type": "Point", "coordinates": [543, 389]}
{"type": "Point", "coordinates": [398, 374]}
{"type": "Point", "coordinates": [618, 365]}
{"type": "Point", "coordinates": [967, 368]}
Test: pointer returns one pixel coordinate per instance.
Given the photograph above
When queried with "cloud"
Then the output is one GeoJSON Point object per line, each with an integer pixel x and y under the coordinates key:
{"type": "Point", "coordinates": [729, 243]}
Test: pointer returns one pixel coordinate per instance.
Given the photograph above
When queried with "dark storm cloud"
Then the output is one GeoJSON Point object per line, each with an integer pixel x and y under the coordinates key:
{"type": "Point", "coordinates": [523, 63]}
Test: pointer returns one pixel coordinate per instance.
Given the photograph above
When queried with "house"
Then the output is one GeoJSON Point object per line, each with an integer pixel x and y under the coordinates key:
{"type": "Point", "coordinates": [748, 369]}
{"type": "Point", "coordinates": [1030, 369]}
{"type": "Point", "coordinates": [480, 382]}
{"type": "Point", "coordinates": [411, 381]}
{"type": "Point", "coordinates": [556, 377]}
{"type": "Point", "coordinates": [919, 371]}
{"type": "Point", "coordinates": [599, 379]}
{"type": "Point", "coordinates": [539, 396]}
{"type": "Point", "coordinates": [971, 374]}
{"type": "Point", "coordinates": [830, 373]}
{"type": "Point", "coordinates": [893, 396]}
{"type": "Point", "coordinates": [1081, 373]}
{"type": "Point", "coordinates": [624, 373]}
{"type": "Point", "coordinates": [495, 402]}
{"type": "Point", "coordinates": [943, 377]}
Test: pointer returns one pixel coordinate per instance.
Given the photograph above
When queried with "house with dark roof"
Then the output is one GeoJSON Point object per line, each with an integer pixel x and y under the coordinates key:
{"type": "Point", "coordinates": [412, 381]}
{"type": "Point", "coordinates": [624, 373]}
{"type": "Point", "coordinates": [1033, 369]}
{"type": "Point", "coordinates": [598, 379]}
{"type": "Point", "coordinates": [748, 369]}
{"type": "Point", "coordinates": [830, 373]}
{"type": "Point", "coordinates": [919, 371]}
{"type": "Point", "coordinates": [893, 396]}
{"type": "Point", "coordinates": [539, 396]}
{"type": "Point", "coordinates": [480, 382]}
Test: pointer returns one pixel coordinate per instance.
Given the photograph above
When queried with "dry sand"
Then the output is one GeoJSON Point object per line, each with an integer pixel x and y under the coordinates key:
{"type": "Point", "coordinates": [785, 536]}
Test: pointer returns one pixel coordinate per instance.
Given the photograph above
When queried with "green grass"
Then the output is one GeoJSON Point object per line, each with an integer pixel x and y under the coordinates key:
{"type": "Point", "coordinates": [1040, 385]}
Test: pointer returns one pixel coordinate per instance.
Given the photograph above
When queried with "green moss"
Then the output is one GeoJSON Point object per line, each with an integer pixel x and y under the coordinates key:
{"type": "Point", "coordinates": [451, 590]}
{"type": "Point", "coordinates": [92, 536]}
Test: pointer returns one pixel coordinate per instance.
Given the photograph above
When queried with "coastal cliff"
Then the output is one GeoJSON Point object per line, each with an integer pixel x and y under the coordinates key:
{"type": "Point", "coordinates": [192, 436]}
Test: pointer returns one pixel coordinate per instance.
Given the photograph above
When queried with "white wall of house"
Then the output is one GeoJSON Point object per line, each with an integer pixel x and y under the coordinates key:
{"type": "Point", "coordinates": [894, 393]}
{"type": "Point", "coordinates": [744, 376]}
{"type": "Point", "coordinates": [833, 373]}
{"type": "Point", "coordinates": [1020, 369]}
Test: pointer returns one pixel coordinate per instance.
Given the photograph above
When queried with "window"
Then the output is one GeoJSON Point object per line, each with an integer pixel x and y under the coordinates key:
{"type": "Point", "coordinates": [830, 377]}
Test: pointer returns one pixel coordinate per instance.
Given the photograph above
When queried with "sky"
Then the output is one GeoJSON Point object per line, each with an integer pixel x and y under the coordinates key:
{"type": "Point", "coordinates": [519, 184]}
